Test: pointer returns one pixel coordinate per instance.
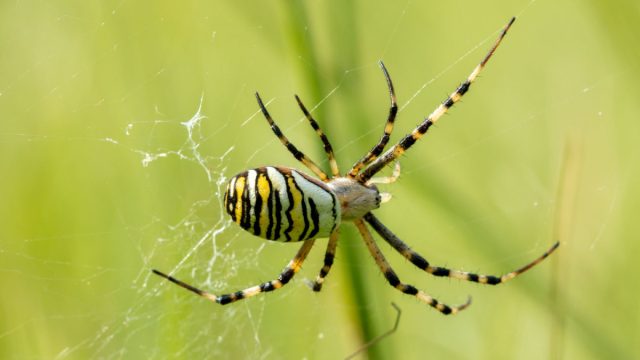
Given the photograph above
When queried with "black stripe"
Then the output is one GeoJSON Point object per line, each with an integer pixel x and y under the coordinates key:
{"type": "Point", "coordinates": [334, 212]}
{"type": "Point", "coordinates": [378, 148]}
{"type": "Point", "coordinates": [327, 147]}
{"type": "Point", "coordinates": [276, 130]}
{"type": "Point", "coordinates": [441, 272]}
{"type": "Point", "coordinates": [313, 123]}
{"type": "Point", "coordinates": [278, 212]}
{"type": "Point", "coordinates": [446, 310]}
{"type": "Point", "coordinates": [287, 231]}
{"type": "Point", "coordinates": [392, 113]}
{"type": "Point", "coordinates": [463, 88]}
{"type": "Point", "coordinates": [448, 103]}
{"type": "Point", "coordinates": [392, 278]}
{"type": "Point", "coordinates": [296, 153]}
{"type": "Point", "coordinates": [328, 259]}
{"type": "Point", "coordinates": [315, 217]}
{"type": "Point", "coordinates": [493, 280]}
{"type": "Point", "coordinates": [257, 209]}
{"type": "Point", "coordinates": [424, 126]}
{"type": "Point", "coordinates": [238, 295]}
{"type": "Point", "coordinates": [407, 141]}
{"type": "Point", "coordinates": [303, 205]}
{"type": "Point", "coordinates": [473, 277]}
{"type": "Point", "coordinates": [418, 261]}
{"type": "Point", "coordinates": [324, 271]}
{"type": "Point", "coordinates": [266, 287]}
{"type": "Point", "coordinates": [286, 275]}
{"type": "Point", "coordinates": [224, 299]}
{"type": "Point", "coordinates": [245, 220]}
{"type": "Point", "coordinates": [410, 290]}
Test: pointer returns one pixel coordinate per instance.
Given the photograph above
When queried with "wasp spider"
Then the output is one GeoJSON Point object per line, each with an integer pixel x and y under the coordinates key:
{"type": "Point", "coordinates": [283, 204]}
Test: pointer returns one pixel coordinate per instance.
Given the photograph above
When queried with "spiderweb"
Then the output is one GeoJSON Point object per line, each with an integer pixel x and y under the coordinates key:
{"type": "Point", "coordinates": [181, 147]}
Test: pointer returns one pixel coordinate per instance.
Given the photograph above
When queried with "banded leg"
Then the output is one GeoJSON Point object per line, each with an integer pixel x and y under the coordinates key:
{"type": "Point", "coordinates": [287, 274]}
{"type": "Point", "coordinates": [406, 142]}
{"type": "Point", "coordinates": [394, 281]}
{"type": "Point", "coordinates": [420, 262]}
{"type": "Point", "coordinates": [388, 128]}
{"type": "Point", "coordinates": [327, 145]}
{"type": "Point", "coordinates": [329, 256]}
{"type": "Point", "coordinates": [299, 155]}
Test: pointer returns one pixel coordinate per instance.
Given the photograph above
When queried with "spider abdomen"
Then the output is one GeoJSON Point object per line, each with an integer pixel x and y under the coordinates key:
{"type": "Point", "coordinates": [282, 204]}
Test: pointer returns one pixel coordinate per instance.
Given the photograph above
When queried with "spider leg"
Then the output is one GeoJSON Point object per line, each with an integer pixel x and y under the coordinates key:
{"type": "Point", "coordinates": [327, 145]}
{"type": "Point", "coordinates": [299, 155]}
{"type": "Point", "coordinates": [329, 256]}
{"type": "Point", "coordinates": [406, 142]}
{"type": "Point", "coordinates": [287, 274]}
{"type": "Point", "coordinates": [387, 179]}
{"type": "Point", "coordinates": [379, 147]}
{"type": "Point", "coordinates": [420, 262]}
{"type": "Point", "coordinates": [394, 281]}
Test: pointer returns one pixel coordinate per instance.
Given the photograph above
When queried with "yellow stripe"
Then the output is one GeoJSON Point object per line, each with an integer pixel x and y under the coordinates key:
{"type": "Point", "coordinates": [240, 180]}
{"type": "Point", "coordinates": [263, 190]}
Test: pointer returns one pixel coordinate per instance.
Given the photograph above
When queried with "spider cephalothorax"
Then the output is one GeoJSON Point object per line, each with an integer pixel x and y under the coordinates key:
{"type": "Point", "coordinates": [356, 199]}
{"type": "Point", "coordinates": [283, 204]}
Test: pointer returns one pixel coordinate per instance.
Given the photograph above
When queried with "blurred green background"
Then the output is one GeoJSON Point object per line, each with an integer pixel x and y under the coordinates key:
{"type": "Point", "coordinates": [104, 177]}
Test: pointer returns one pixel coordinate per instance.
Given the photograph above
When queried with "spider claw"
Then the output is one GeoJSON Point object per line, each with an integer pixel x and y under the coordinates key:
{"type": "Point", "coordinates": [466, 304]}
{"type": "Point", "coordinates": [457, 309]}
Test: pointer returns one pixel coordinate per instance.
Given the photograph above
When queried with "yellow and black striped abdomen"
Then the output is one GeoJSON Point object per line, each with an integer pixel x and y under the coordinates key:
{"type": "Point", "coordinates": [282, 204]}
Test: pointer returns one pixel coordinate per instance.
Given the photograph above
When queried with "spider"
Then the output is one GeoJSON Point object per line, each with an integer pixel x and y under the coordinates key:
{"type": "Point", "coordinates": [284, 204]}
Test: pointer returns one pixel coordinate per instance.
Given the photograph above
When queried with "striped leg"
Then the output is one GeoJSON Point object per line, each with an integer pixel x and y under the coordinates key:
{"type": "Point", "coordinates": [329, 256]}
{"type": "Point", "coordinates": [420, 262]}
{"type": "Point", "coordinates": [327, 145]}
{"type": "Point", "coordinates": [405, 143]}
{"type": "Point", "coordinates": [394, 281]}
{"type": "Point", "coordinates": [287, 274]}
{"type": "Point", "coordinates": [299, 155]}
{"type": "Point", "coordinates": [379, 147]}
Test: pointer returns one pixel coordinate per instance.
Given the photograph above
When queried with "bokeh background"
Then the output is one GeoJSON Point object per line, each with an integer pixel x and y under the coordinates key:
{"type": "Point", "coordinates": [120, 121]}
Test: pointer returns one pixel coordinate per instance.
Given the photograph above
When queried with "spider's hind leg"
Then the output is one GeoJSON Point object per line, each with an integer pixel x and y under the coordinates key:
{"type": "Point", "coordinates": [422, 263]}
{"type": "Point", "coordinates": [394, 281]}
{"type": "Point", "coordinates": [287, 274]}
